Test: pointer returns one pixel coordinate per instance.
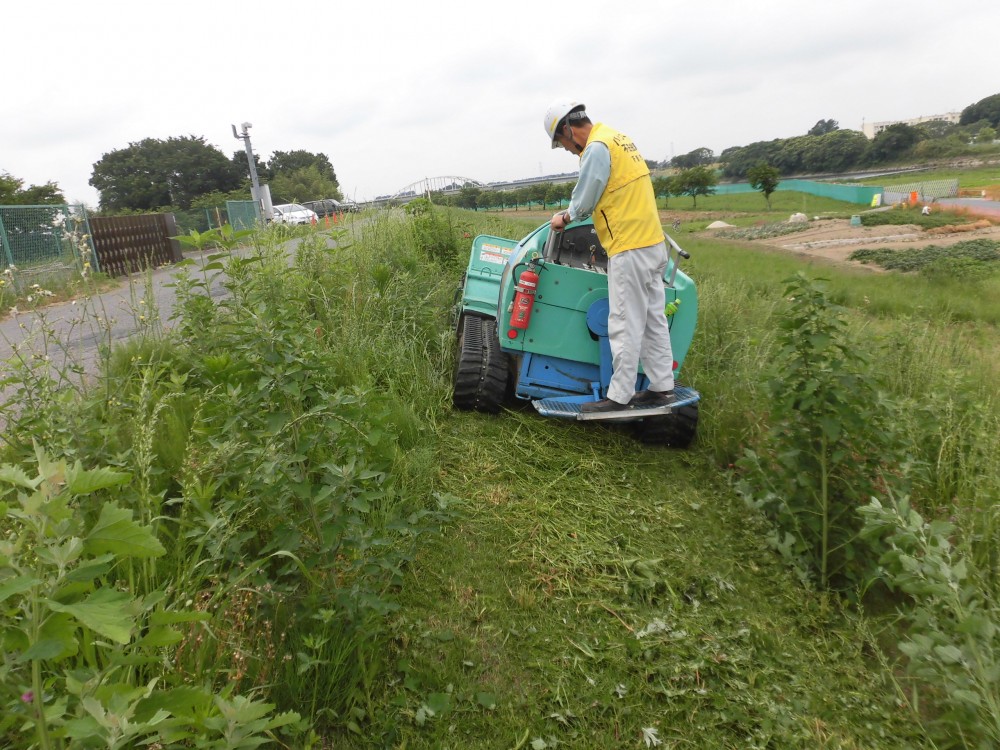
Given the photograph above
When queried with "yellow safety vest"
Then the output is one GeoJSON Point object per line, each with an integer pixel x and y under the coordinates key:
{"type": "Point", "coordinates": [626, 216]}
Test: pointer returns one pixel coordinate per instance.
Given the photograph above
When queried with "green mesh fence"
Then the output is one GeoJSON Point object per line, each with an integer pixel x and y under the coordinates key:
{"type": "Point", "coordinates": [861, 194]}
{"type": "Point", "coordinates": [243, 214]}
{"type": "Point", "coordinates": [39, 241]}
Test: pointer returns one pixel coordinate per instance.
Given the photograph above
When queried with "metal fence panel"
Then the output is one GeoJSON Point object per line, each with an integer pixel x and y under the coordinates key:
{"type": "Point", "coordinates": [48, 240]}
{"type": "Point", "coordinates": [126, 244]}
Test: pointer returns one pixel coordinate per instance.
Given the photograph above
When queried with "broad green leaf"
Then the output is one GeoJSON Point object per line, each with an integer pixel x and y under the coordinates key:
{"type": "Point", "coordinates": [84, 728]}
{"type": "Point", "coordinates": [91, 569]}
{"type": "Point", "coordinates": [46, 648]}
{"type": "Point", "coordinates": [106, 611]}
{"type": "Point", "coordinates": [16, 586]}
{"type": "Point", "coordinates": [17, 476]}
{"type": "Point", "coordinates": [439, 703]}
{"type": "Point", "coordinates": [83, 482]}
{"type": "Point", "coordinates": [160, 636]}
{"type": "Point", "coordinates": [242, 709]}
{"type": "Point", "coordinates": [831, 428]}
{"type": "Point", "coordinates": [179, 701]}
{"type": "Point", "coordinates": [486, 700]}
{"type": "Point", "coordinates": [61, 627]}
{"type": "Point", "coordinates": [116, 532]}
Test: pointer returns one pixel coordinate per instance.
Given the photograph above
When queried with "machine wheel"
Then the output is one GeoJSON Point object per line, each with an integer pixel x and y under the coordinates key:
{"type": "Point", "coordinates": [481, 367]}
{"type": "Point", "coordinates": [675, 430]}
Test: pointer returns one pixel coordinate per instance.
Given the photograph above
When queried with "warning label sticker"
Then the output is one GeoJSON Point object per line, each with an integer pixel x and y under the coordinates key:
{"type": "Point", "coordinates": [494, 254]}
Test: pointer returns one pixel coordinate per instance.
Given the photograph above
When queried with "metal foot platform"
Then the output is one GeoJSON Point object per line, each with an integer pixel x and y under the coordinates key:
{"type": "Point", "coordinates": [569, 407]}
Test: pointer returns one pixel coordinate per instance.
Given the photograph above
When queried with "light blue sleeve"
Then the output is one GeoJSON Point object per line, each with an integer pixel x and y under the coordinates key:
{"type": "Point", "coordinates": [595, 169]}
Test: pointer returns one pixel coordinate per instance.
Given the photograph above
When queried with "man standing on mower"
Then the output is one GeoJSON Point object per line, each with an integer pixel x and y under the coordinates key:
{"type": "Point", "coordinates": [615, 188]}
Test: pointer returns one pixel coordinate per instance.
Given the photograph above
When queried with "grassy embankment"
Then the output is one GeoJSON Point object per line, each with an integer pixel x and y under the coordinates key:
{"type": "Point", "coordinates": [584, 591]}
{"type": "Point", "coordinates": [595, 587]}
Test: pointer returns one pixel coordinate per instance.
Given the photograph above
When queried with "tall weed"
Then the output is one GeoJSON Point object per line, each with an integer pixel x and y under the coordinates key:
{"type": "Point", "coordinates": [830, 443]}
{"type": "Point", "coordinates": [952, 634]}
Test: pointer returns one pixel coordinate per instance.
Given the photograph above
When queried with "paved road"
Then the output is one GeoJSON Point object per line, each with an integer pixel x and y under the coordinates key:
{"type": "Point", "coordinates": [70, 334]}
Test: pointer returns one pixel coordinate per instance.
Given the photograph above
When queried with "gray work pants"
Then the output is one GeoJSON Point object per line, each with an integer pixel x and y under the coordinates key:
{"type": "Point", "coordinates": [637, 325]}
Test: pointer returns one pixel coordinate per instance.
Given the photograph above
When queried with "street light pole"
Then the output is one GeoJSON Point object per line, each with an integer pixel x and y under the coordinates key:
{"type": "Point", "coordinates": [254, 182]}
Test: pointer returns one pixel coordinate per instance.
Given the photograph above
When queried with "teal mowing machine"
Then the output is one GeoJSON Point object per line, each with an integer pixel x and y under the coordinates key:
{"type": "Point", "coordinates": [531, 319]}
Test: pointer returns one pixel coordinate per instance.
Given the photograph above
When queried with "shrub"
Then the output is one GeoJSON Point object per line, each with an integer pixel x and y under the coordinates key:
{"type": "Point", "coordinates": [952, 637]}
{"type": "Point", "coordinates": [828, 439]}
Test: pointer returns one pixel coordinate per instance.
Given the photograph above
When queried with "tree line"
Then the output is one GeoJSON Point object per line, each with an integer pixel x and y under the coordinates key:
{"type": "Point", "coordinates": [183, 172]}
{"type": "Point", "coordinates": [693, 182]}
{"type": "Point", "coordinates": [828, 149]}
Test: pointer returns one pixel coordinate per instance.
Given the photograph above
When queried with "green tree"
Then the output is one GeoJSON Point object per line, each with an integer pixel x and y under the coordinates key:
{"type": "Point", "coordinates": [13, 192]}
{"type": "Point", "coordinates": [986, 135]}
{"type": "Point", "coordinates": [153, 173]}
{"type": "Point", "coordinates": [536, 193]}
{"type": "Point", "coordinates": [662, 189]}
{"type": "Point", "coordinates": [470, 196]}
{"type": "Point", "coordinates": [284, 162]}
{"type": "Point", "coordinates": [893, 142]}
{"type": "Point", "coordinates": [835, 151]}
{"type": "Point", "coordinates": [694, 182]}
{"type": "Point", "coordinates": [240, 165]}
{"type": "Point", "coordinates": [700, 157]}
{"type": "Point", "coordinates": [937, 128]}
{"type": "Point", "coordinates": [764, 178]}
{"type": "Point", "coordinates": [822, 127]}
{"type": "Point", "coordinates": [554, 193]}
{"type": "Point", "coordinates": [985, 109]}
{"type": "Point", "coordinates": [303, 184]}
{"type": "Point", "coordinates": [737, 160]}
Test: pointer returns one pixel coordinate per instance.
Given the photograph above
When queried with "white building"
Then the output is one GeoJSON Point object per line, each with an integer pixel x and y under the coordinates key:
{"type": "Point", "coordinates": [872, 129]}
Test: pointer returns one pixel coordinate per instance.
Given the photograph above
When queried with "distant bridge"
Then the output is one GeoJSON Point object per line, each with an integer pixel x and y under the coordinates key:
{"type": "Point", "coordinates": [446, 184]}
{"type": "Point", "coordinates": [452, 184]}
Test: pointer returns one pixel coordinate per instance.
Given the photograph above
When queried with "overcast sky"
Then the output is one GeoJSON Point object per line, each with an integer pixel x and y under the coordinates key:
{"type": "Point", "coordinates": [395, 91]}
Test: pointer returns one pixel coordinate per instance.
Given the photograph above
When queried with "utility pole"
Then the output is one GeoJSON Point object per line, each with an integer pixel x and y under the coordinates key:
{"type": "Point", "coordinates": [255, 192]}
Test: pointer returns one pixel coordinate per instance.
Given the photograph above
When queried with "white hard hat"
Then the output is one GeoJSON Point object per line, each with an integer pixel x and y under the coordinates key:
{"type": "Point", "coordinates": [556, 112]}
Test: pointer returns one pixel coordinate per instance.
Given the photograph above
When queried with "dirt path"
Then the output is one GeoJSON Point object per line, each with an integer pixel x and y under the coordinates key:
{"type": "Point", "coordinates": [835, 239]}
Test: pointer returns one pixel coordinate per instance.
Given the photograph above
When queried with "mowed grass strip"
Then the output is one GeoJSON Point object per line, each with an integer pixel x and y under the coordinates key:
{"type": "Point", "coordinates": [594, 588]}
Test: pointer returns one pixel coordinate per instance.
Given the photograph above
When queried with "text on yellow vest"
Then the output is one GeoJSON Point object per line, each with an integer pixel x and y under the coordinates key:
{"type": "Point", "coordinates": [625, 217]}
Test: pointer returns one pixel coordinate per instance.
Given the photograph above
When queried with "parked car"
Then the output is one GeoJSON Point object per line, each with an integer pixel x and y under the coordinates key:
{"type": "Point", "coordinates": [350, 206]}
{"type": "Point", "coordinates": [293, 213]}
{"type": "Point", "coordinates": [325, 207]}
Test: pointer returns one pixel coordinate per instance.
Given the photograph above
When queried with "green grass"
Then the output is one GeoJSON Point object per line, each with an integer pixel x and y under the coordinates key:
{"type": "Point", "coordinates": [595, 588]}
{"type": "Point", "coordinates": [521, 625]}
{"type": "Point", "coordinates": [585, 588]}
{"type": "Point", "coordinates": [782, 202]}
{"type": "Point", "coordinates": [971, 178]}
{"type": "Point", "coordinates": [944, 301]}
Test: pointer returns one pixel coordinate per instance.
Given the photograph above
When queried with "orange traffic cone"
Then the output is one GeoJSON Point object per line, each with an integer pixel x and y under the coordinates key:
{"type": "Point", "coordinates": [335, 218]}
{"type": "Point", "coordinates": [313, 222]}
{"type": "Point", "coordinates": [326, 221]}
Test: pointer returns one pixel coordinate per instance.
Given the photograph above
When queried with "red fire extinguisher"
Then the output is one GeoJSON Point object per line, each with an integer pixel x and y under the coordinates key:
{"type": "Point", "coordinates": [524, 300]}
